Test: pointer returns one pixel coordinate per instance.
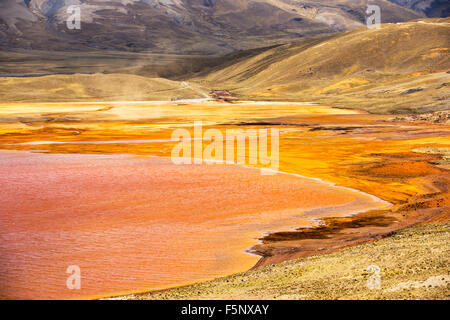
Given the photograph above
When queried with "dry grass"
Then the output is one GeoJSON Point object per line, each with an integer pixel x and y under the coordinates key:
{"type": "Point", "coordinates": [414, 264]}
{"type": "Point", "coordinates": [444, 152]}
{"type": "Point", "coordinates": [93, 87]}
{"type": "Point", "coordinates": [401, 68]}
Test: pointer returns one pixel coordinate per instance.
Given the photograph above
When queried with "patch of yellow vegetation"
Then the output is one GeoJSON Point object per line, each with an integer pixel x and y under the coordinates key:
{"type": "Point", "coordinates": [275, 90]}
{"type": "Point", "coordinates": [342, 85]}
{"type": "Point", "coordinates": [353, 68]}
{"type": "Point", "coordinates": [418, 74]}
{"type": "Point", "coordinates": [435, 53]}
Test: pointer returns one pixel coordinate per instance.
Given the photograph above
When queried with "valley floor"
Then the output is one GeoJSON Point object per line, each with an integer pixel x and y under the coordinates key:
{"type": "Point", "coordinates": [382, 138]}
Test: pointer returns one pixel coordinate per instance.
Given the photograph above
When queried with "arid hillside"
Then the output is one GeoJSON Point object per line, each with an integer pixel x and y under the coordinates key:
{"type": "Point", "coordinates": [94, 87]}
{"type": "Point", "coordinates": [399, 68]}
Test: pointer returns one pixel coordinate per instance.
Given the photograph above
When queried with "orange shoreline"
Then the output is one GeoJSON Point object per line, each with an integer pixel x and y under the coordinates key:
{"type": "Point", "coordinates": [363, 152]}
{"type": "Point", "coordinates": [47, 191]}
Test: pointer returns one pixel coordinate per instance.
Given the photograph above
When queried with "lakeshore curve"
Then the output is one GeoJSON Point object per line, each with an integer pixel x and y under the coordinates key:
{"type": "Point", "coordinates": [135, 224]}
{"type": "Point", "coordinates": [363, 152]}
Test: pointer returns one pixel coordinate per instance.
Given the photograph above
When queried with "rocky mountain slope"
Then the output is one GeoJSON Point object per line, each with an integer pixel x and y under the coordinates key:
{"type": "Point", "coordinates": [432, 8]}
{"type": "Point", "coordinates": [181, 26]}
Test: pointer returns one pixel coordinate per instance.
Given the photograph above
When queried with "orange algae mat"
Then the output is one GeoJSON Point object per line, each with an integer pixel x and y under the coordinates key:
{"type": "Point", "coordinates": [141, 223]}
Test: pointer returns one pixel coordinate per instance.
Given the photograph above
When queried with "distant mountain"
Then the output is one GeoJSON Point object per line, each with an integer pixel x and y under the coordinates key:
{"type": "Point", "coordinates": [181, 26]}
{"type": "Point", "coordinates": [432, 8]}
